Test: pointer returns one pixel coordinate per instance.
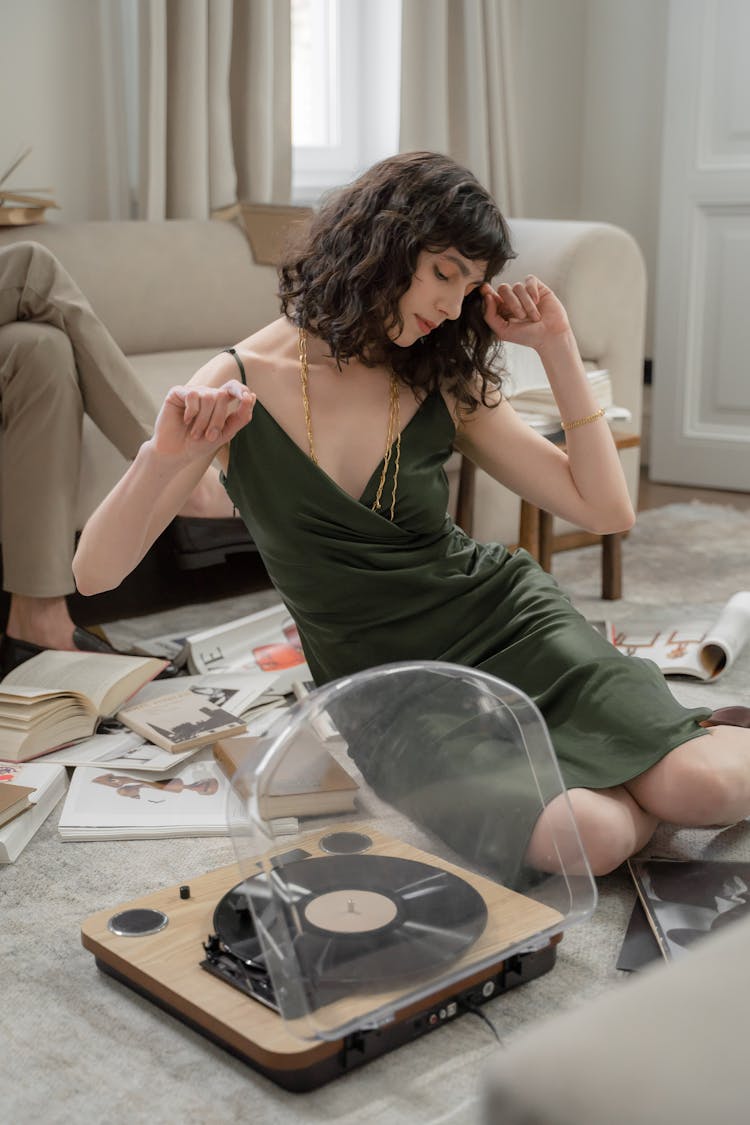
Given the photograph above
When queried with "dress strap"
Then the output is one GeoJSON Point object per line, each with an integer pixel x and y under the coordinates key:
{"type": "Point", "coordinates": [233, 351]}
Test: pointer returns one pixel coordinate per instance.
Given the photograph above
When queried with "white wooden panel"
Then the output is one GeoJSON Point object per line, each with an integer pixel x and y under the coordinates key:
{"type": "Point", "coordinates": [725, 85]}
{"type": "Point", "coordinates": [723, 404]}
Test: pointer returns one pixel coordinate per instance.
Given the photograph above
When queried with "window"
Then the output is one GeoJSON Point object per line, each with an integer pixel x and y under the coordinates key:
{"type": "Point", "coordinates": [346, 59]}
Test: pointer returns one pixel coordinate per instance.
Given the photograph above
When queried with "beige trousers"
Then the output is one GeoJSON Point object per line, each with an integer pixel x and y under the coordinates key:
{"type": "Point", "coordinates": [57, 363]}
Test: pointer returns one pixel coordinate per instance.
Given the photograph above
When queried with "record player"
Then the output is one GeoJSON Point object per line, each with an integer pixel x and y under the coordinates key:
{"type": "Point", "coordinates": [316, 953]}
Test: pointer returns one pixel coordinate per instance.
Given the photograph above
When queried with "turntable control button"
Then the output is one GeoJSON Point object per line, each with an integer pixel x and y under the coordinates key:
{"type": "Point", "coordinates": [451, 1009]}
{"type": "Point", "coordinates": [185, 891]}
{"type": "Point", "coordinates": [488, 988]}
{"type": "Point", "coordinates": [432, 1019]}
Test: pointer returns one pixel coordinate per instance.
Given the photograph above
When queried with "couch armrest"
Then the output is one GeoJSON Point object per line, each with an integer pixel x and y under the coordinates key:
{"type": "Point", "coordinates": [598, 272]}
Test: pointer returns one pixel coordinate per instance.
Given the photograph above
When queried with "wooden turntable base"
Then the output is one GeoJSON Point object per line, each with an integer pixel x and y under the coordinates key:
{"type": "Point", "coordinates": [165, 967]}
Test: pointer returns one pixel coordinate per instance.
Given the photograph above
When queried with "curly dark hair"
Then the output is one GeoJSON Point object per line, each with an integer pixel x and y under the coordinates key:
{"type": "Point", "coordinates": [344, 274]}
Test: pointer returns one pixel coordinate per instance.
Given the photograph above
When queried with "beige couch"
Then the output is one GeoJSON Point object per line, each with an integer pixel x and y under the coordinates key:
{"type": "Point", "coordinates": [666, 1049]}
{"type": "Point", "coordinates": [172, 293]}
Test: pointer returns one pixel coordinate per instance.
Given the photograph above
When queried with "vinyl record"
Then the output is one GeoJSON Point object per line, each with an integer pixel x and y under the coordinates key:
{"type": "Point", "coordinates": [359, 920]}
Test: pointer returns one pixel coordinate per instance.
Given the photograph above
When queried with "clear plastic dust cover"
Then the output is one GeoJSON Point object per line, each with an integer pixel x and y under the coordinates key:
{"type": "Point", "coordinates": [435, 840]}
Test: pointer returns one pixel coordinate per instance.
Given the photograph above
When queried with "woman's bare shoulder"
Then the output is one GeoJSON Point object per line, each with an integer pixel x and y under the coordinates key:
{"type": "Point", "coordinates": [258, 354]}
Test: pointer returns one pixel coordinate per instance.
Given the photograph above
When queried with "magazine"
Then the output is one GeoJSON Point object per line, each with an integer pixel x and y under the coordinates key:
{"type": "Point", "coordinates": [266, 643]}
{"type": "Point", "coordinates": [117, 805]}
{"type": "Point", "coordinates": [120, 750]}
{"type": "Point", "coordinates": [703, 649]}
{"type": "Point", "coordinates": [685, 900]}
{"type": "Point", "coordinates": [48, 783]}
{"type": "Point", "coordinates": [181, 721]}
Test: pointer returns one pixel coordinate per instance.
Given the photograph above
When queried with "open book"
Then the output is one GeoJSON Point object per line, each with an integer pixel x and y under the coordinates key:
{"type": "Point", "coordinates": [684, 900]}
{"type": "Point", "coordinates": [701, 648]}
{"type": "Point", "coordinates": [58, 697]}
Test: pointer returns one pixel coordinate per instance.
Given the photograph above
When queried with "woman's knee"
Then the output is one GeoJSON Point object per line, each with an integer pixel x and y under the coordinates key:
{"type": "Point", "coordinates": [610, 825]}
{"type": "Point", "coordinates": [701, 783]}
{"type": "Point", "coordinates": [41, 356]}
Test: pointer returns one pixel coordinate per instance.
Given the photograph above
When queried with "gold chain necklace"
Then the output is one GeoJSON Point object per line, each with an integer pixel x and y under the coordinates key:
{"type": "Point", "coordinates": [393, 431]}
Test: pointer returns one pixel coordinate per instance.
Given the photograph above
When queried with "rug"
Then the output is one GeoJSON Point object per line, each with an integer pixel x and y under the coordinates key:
{"type": "Point", "coordinates": [80, 1047]}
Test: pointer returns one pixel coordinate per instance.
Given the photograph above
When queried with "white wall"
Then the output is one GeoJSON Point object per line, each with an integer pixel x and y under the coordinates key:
{"type": "Point", "coordinates": [51, 98]}
{"type": "Point", "coordinates": [590, 91]}
{"type": "Point", "coordinates": [626, 47]}
{"type": "Point", "coordinates": [549, 80]}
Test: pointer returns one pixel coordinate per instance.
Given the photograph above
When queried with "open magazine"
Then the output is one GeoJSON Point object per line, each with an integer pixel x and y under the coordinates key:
{"type": "Point", "coordinates": [265, 644]}
{"type": "Point", "coordinates": [703, 649]}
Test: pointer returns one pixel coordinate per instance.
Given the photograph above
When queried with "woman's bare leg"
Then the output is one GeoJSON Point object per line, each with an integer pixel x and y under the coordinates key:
{"type": "Point", "coordinates": [611, 824]}
{"type": "Point", "coordinates": [700, 784]}
{"type": "Point", "coordinates": [41, 621]}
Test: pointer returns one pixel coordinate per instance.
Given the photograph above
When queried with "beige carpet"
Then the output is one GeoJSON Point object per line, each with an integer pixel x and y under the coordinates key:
{"type": "Point", "coordinates": [79, 1047]}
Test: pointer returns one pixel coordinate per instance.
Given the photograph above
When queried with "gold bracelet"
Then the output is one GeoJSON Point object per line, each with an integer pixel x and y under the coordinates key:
{"type": "Point", "coordinates": [584, 421]}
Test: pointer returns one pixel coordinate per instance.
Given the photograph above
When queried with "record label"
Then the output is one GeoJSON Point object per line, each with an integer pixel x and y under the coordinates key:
{"type": "Point", "coordinates": [351, 911]}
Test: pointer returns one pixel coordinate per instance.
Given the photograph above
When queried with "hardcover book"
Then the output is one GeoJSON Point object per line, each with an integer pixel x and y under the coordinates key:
{"type": "Point", "coordinates": [14, 799]}
{"type": "Point", "coordinates": [308, 782]}
{"type": "Point", "coordinates": [59, 697]}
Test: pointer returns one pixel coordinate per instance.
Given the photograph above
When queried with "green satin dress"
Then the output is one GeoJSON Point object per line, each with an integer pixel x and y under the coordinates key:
{"type": "Point", "coordinates": [366, 591]}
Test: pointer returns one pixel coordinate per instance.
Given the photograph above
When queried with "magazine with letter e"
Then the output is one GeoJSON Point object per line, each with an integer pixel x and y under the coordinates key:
{"type": "Point", "coordinates": [265, 642]}
{"type": "Point", "coordinates": [703, 649]}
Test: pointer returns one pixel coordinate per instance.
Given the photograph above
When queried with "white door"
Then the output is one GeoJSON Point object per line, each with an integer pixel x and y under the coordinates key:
{"type": "Point", "coordinates": [701, 392]}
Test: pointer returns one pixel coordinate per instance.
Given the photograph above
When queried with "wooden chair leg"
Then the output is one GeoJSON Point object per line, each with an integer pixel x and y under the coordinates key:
{"type": "Point", "coordinates": [528, 531]}
{"type": "Point", "coordinates": [612, 566]}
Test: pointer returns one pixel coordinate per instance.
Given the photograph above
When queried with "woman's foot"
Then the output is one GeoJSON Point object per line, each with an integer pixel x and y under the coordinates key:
{"type": "Point", "coordinates": [36, 624]}
{"type": "Point", "coordinates": [44, 622]}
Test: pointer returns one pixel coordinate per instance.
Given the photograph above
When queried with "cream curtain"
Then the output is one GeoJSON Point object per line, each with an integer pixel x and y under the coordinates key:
{"type": "Point", "coordinates": [214, 95]}
{"type": "Point", "coordinates": [457, 88]}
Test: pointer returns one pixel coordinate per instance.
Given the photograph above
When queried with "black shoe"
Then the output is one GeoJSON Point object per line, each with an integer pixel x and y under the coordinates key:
{"type": "Point", "coordinates": [14, 652]}
{"type": "Point", "coordinates": [205, 542]}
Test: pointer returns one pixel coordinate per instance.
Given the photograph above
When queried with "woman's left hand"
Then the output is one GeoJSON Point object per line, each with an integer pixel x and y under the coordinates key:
{"type": "Point", "coordinates": [525, 313]}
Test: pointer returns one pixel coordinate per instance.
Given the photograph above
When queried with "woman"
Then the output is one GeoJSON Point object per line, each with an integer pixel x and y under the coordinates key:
{"type": "Point", "coordinates": [333, 454]}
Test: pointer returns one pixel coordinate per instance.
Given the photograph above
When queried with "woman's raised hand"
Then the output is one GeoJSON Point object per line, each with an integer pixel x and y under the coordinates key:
{"type": "Point", "coordinates": [525, 313]}
{"type": "Point", "coordinates": [196, 420]}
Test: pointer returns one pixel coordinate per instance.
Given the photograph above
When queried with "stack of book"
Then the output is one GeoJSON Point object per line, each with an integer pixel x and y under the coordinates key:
{"type": "Point", "coordinates": [28, 794]}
